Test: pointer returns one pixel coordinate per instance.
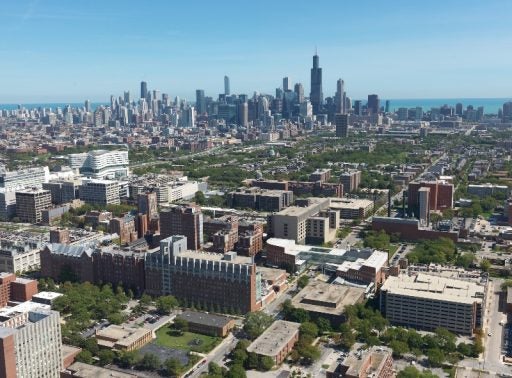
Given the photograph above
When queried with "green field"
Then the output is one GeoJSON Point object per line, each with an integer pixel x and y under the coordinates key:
{"type": "Point", "coordinates": [166, 337]}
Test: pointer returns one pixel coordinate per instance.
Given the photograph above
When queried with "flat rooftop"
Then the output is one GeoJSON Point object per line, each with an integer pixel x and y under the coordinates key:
{"type": "Point", "coordinates": [50, 295]}
{"type": "Point", "coordinates": [79, 369]}
{"type": "Point", "coordinates": [435, 287]}
{"type": "Point", "coordinates": [237, 259]}
{"type": "Point", "coordinates": [350, 203]}
{"type": "Point", "coordinates": [275, 337]}
{"type": "Point", "coordinates": [205, 319]}
{"type": "Point", "coordinates": [326, 298]}
{"type": "Point", "coordinates": [120, 335]}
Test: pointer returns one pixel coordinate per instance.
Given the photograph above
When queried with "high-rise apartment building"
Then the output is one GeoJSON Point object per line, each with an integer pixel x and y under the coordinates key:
{"type": "Point", "coordinates": [341, 121]}
{"type": "Point", "coordinates": [350, 180]}
{"type": "Point", "coordinates": [440, 195]}
{"type": "Point", "coordinates": [183, 220]}
{"type": "Point", "coordinates": [31, 202]}
{"type": "Point", "coordinates": [100, 192]}
{"type": "Point", "coordinates": [299, 92]}
{"type": "Point", "coordinates": [286, 84]}
{"type": "Point", "coordinates": [316, 96]}
{"type": "Point", "coordinates": [30, 342]}
{"type": "Point", "coordinates": [220, 282]}
{"type": "Point", "coordinates": [147, 203]}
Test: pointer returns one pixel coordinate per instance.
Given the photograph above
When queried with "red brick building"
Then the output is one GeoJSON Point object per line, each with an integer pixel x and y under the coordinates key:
{"type": "Point", "coordinates": [440, 198]}
{"type": "Point", "coordinates": [16, 289]}
{"type": "Point", "coordinates": [183, 220]}
{"type": "Point", "coordinates": [409, 229]}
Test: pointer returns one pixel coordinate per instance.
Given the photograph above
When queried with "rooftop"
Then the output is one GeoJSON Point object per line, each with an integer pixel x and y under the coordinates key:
{"type": "Point", "coordinates": [205, 318]}
{"type": "Point", "coordinates": [321, 297]}
{"type": "Point", "coordinates": [275, 337]}
{"type": "Point", "coordinates": [115, 334]}
{"type": "Point", "coordinates": [79, 369]}
{"type": "Point", "coordinates": [435, 288]}
{"type": "Point", "coordinates": [349, 203]}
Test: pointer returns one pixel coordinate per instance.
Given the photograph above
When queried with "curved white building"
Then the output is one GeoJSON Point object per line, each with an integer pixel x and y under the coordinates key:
{"type": "Point", "coordinates": [101, 164]}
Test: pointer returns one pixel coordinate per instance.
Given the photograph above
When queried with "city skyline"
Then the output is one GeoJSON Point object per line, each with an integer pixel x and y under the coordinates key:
{"type": "Point", "coordinates": [405, 51]}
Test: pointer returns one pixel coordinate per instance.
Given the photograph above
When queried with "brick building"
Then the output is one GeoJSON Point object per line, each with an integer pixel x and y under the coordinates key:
{"type": "Point", "coordinates": [440, 196]}
{"type": "Point", "coordinates": [183, 220]}
{"type": "Point", "coordinates": [125, 228]}
{"type": "Point", "coordinates": [208, 324]}
{"type": "Point", "coordinates": [94, 264]}
{"type": "Point", "coordinates": [376, 363]}
{"type": "Point", "coordinates": [409, 229]}
{"type": "Point", "coordinates": [16, 289]}
{"type": "Point", "coordinates": [219, 282]}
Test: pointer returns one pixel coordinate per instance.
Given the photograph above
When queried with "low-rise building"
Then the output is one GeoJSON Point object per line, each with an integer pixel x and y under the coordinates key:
{"type": "Point", "coordinates": [376, 363]}
{"type": "Point", "coordinates": [350, 208]}
{"type": "Point", "coordinates": [276, 341]}
{"type": "Point", "coordinates": [328, 301]}
{"type": "Point", "coordinates": [19, 255]}
{"type": "Point", "coordinates": [81, 370]}
{"type": "Point", "coordinates": [123, 338]}
{"type": "Point", "coordinates": [208, 324]}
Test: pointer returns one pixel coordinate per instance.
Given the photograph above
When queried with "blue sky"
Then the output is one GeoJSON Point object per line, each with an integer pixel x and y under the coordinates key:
{"type": "Point", "coordinates": [71, 50]}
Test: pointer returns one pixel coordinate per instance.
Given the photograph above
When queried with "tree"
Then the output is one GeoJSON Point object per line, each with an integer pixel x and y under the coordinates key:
{"type": "Point", "coordinates": [165, 304]}
{"type": "Point", "coordinates": [172, 367]}
{"type": "Point", "coordinates": [240, 356]}
{"type": "Point", "coordinates": [149, 362]}
{"type": "Point", "coordinates": [127, 359]}
{"type": "Point", "coordinates": [199, 198]}
{"type": "Point", "coordinates": [106, 357]}
{"type": "Point", "coordinates": [85, 356]}
{"type": "Point", "coordinates": [485, 265]}
{"type": "Point", "coordinates": [302, 281]}
{"type": "Point", "coordinates": [309, 329]}
{"type": "Point", "coordinates": [324, 325]}
{"type": "Point", "coordinates": [145, 300]}
{"type": "Point", "coordinates": [257, 322]}
{"type": "Point", "coordinates": [180, 324]}
{"type": "Point", "coordinates": [236, 371]}
{"type": "Point", "coordinates": [435, 357]}
{"type": "Point", "coordinates": [266, 363]}
{"type": "Point", "coordinates": [399, 348]}
{"type": "Point", "coordinates": [215, 369]}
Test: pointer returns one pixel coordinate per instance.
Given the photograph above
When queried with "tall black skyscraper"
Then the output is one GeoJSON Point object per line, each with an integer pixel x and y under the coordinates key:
{"type": "Point", "coordinates": [373, 104]}
{"type": "Point", "coordinates": [316, 96]}
{"type": "Point", "coordinates": [143, 89]}
{"type": "Point", "coordinates": [200, 102]}
{"type": "Point", "coordinates": [340, 97]}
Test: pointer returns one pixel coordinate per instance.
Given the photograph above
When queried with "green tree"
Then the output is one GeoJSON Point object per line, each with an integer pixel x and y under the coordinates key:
{"type": "Point", "coordinates": [149, 362]}
{"type": "Point", "coordinates": [180, 324]}
{"type": "Point", "coordinates": [173, 367]}
{"type": "Point", "coordinates": [199, 198]}
{"type": "Point", "coordinates": [399, 348]}
{"type": "Point", "coordinates": [257, 322]}
{"type": "Point", "coordinates": [236, 371]}
{"type": "Point", "coordinates": [85, 356]}
{"type": "Point", "coordinates": [302, 281]}
{"type": "Point", "coordinates": [106, 357]}
{"type": "Point", "coordinates": [324, 325]}
{"type": "Point", "coordinates": [485, 265]}
{"type": "Point", "coordinates": [127, 359]}
{"type": "Point", "coordinates": [309, 329]}
{"type": "Point", "coordinates": [265, 363]}
{"type": "Point", "coordinates": [165, 304]}
{"type": "Point", "coordinates": [435, 357]}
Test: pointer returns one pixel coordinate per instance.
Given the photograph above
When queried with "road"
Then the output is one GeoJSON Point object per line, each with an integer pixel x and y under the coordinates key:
{"type": "Point", "coordinates": [216, 355]}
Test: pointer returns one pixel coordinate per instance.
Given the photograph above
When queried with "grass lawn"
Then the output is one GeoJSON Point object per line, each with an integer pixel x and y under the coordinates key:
{"type": "Point", "coordinates": [188, 341]}
{"type": "Point", "coordinates": [392, 249]}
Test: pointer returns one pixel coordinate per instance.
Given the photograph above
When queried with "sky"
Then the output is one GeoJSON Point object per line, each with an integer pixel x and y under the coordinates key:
{"type": "Point", "coordinates": [68, 51]}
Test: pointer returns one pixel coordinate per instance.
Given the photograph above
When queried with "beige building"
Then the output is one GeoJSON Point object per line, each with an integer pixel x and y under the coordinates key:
{"type": "Point", "coordinates": [375, 363]}
{"type": "Point", "coordinates": [427, 302]}
{"type": "Point", "coordinates": [350, 208]}
{"type": "Point", "coordinates": [123, 338]}
{"type": "Point", "coordinates": [30, 203]}
{"type": "Point", "coordinates": [277, 340]}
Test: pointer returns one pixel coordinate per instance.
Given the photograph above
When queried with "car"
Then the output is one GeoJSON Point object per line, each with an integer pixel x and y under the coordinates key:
{"type": "Point", "coordinates": [489, 334]}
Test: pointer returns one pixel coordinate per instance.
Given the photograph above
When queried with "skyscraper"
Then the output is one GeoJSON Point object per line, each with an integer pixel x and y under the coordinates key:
{"type": "Point", "coordinates": [87, 105]}
{"type": "Point", "coordinates": [127, 98]}
{"type": "Point", "coordinates": [316, 96]}
{"type": "Point", "coordinates": [227, 90]}
{"type": "Point", "coordinates": [458, 109]}
{"type": "Point", "coordinates": [339, 98]}
{"type": "Point", "coordinates": [341, 125]}
{"type": "Point", "coordinates": [387, 106]}
{"type": "Point", "coordinates": [299, 92]}
{"type": "Point", "coordinates": [373, 104]}
{"type": "Point", "coordinates": [243, 114]}
{"type": "Point", "coordinates": [358, 107]}
{"type": "Point", "coordinates": [286, 84]}
{"type": "Point", "coordinates": [200, 101]}
{"type": "Point", "coordinates": [143, 89]}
